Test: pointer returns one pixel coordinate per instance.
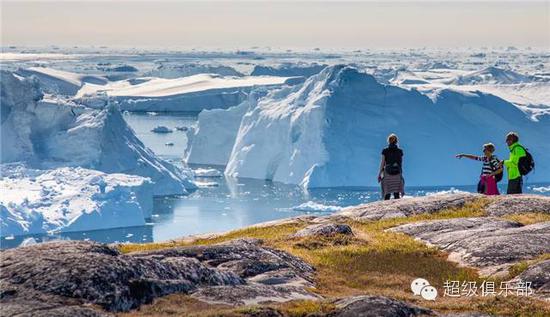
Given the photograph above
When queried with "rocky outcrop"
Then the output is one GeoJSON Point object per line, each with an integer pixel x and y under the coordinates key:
{"type": "Point", "coordinates": [488, 243]}
{"type": "Point", "coordinates": [324, 230]}
{"type": "Point", "coordinates": [44, 278]}
{"type": "Point", "coordinates": [376, 306]}
{"type": "Point", "coordinates": [515, 204]}
{"type": "Point", "coordinates": [538, 275]}
{"type": "Point", "coordinates": [407, 207]}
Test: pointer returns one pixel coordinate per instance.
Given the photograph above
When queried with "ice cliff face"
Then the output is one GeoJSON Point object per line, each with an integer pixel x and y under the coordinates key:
{"type": "Point", "coordinates": [49, 134]}
{"type": "Point", "coordinates": [330, 132]}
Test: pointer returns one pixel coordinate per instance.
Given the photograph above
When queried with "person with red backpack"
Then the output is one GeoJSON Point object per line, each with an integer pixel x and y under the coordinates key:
{"type": "Point", "coordinates": [518, 165]}
{"type": "Point", "coordinates": [491, 172]}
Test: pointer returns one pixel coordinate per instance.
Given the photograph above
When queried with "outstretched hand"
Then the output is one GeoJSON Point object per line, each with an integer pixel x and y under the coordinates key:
{"type": "Point", "coordinates": [459, 156]}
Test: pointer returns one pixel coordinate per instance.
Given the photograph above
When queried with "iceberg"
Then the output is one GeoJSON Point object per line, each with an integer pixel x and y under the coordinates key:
{"type": "Point", "coordinates": [312, 206]}
{"type": "Point", "coordinates": [288, 70]}
{"type": "Point", "coordinates": [49, 134]}
{"type": "Point", "coordinates": [166, 70]}
{"type": "Point", "coordinates": [211, 142]}
{"type": "Point", "coordinates": [329, 132]}
{"type": "Point", "coordinates": [492, 75]}
{"type": "Point", "coordinates": [70, 199]}
{"type": "Point", "coordinates": [192, 93]}
{"type": "Point", "coordinates": [61, 82]}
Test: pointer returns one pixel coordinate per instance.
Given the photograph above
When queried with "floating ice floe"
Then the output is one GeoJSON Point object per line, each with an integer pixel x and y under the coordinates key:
{"type": "Point", "coordinates": [311, 206]}
{"type": "Point", "coordinates": [162, 129]}
{"type": "Point", "coordinates": [541, 189]}
{"type": "Point", "coordinates": [207, 172]}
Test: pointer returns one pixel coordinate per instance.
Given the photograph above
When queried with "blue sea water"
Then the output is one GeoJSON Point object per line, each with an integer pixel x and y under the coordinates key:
{"type": "Point", "coordinates": [229, 203]}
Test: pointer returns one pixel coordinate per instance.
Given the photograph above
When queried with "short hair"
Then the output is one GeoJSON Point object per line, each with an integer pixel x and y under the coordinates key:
{"type": "Point", "coordinates": [392, 139]}
{"type": "Point", "coordinates": [512, 135]}
{"type": "Point", "coordinates": [489, 146]}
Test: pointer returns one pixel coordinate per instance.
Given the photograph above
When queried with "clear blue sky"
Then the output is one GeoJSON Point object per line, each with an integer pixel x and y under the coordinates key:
{"type": "Point", "coordinates": [359, 24]}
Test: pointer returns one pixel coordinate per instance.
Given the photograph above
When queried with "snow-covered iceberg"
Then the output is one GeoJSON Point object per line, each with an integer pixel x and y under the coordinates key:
{"type": "Point", "coordinates": [168, 70]}
{"type": "Point", "coordinates": [70, 199]}
{"type": "Point", "coordinates": [61, 82]}
{"type": "Point", "coordinates": [330, 131]}
{"type": "Point", "coordinates": [288, 69]}
{"type": "Point", "coordinates": [192, 93]}
{"type": "Point", "coordinates": [49, 134]}
{"type": "Point", "coordinates": [492, 75]}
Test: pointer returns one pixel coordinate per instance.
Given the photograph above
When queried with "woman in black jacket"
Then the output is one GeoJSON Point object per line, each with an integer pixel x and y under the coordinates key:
{"type": "Point", "coordinates": [390, 174]}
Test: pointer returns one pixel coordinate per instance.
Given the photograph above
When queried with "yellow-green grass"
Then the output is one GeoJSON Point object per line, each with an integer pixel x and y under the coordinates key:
{"type": "Point", "coordinates": [520, 267]}
{"type": "Point", "coordinates": [375, 262]}
{"type": "Point", "coordinates": [266, 233]}
{"type": "Point", "coordinates": [528, 218]}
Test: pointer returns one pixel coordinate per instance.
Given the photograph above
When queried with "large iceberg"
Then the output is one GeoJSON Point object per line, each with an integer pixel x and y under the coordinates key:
{"type": "Point", "coordinates": [61, 82]}
{"type": "Point", "coordinates": [192, 93]}
{"type": "Point", "coordinates": [70, 199]}
{"type": "Point", "coordinates": [49, 134]}
{"type": "Point", "coordinates": [330, 130]}
{"type": "Point", "coordinates": [211, 142]}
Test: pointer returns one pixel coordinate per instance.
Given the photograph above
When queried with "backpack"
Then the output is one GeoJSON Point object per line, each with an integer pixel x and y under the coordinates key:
{"type": "Point", "coordinates": [526, 163]}
{"type": "Point", "coordinates": [499, 176]}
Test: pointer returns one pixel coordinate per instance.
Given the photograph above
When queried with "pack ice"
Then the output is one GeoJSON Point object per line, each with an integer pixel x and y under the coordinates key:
{"type": "Point", "coordinates": [78, 145]}
{"type": "Point", "coordinates": [330, 130]}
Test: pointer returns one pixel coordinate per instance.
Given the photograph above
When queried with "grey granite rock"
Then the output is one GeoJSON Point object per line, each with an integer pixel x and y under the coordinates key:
{"type": "Point", "coordinates": [252, 294]}
{"type": "Point", "coordinates": [376, 306]}
{"type": "Point", "coordinates": [407, 207]}
{"type": "Point", "coordinates": [324, 230]}
{"type": "Point", "coordinates": [487, 243]}
{"type": "Point", "coordinates": [63, 277]}
{"type": "Point", "coordinates": [538, 275]}
{"type": "Point", "coordinates": [99, 274]}
{"type": "Point", "coordinates": [514, 204]}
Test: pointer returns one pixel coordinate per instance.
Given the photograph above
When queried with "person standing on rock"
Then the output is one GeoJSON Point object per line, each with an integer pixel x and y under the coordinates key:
{"type": "Point", "coordinates": [491, 171]}
{"type": "Point", "coordinates": [390, 174]}
{"type": "Point", "coordinates": [517, 151]}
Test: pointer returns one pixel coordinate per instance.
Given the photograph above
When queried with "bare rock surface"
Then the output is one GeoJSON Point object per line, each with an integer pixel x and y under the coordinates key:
{"type": "Point", "coordinates": [538, 275]}
{"type": "Point", "coordinates": [376, 306]}
{"type": "Point", "coordinates": [487, 243]}
{"type": "Point", "coordinates": [515, 204]}
{"type": "Point", "coordinates": [63, 277]}
{"type": "Point", "coordinates": [324, 230]}
{"type": "Point", "coordinates": [407, 207]}
{"type": "Point", "coordinates": [252, 294]}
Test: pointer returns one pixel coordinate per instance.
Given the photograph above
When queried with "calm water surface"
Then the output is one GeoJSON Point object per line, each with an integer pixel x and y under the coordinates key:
{"type": "Point", "coordinates": [224, 205]}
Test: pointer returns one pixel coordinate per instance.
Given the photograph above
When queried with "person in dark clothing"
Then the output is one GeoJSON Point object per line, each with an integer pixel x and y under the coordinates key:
{"type": "Point", "coordinates": [390, 173]}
